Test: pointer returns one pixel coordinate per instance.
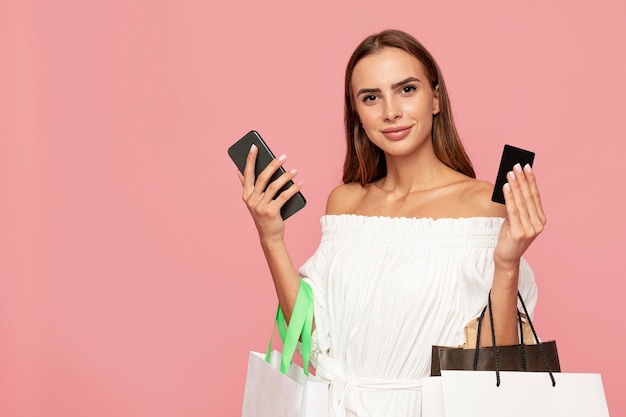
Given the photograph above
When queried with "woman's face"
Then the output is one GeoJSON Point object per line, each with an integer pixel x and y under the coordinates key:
{"type": "Point", "coordinates": [394, 101]}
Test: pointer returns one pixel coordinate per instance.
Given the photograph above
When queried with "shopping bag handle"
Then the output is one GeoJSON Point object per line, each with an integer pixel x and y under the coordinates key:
{"type": "Point", "coordinates": [299, 328]}
{"type": "Point", "coordinates": [522, 343]}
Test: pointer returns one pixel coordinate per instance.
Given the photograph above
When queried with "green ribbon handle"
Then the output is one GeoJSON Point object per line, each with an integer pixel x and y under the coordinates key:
{"type": "Point", "coordinates": [300, 328]}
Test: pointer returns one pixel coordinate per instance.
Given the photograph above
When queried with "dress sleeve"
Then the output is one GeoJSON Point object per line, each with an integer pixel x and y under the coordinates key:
{"type": "Point", "coordinates": [527, 288]}
{"type": "Point", "coordinates": [315, 273]}
{"type": "Point", "coordinates": [476, 290]}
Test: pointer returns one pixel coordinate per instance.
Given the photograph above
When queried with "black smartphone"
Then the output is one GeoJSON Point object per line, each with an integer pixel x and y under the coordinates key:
{"type": "Point", "coordinates": [510, 156]}
{"type": "Point", "coordinates": [239, 153]}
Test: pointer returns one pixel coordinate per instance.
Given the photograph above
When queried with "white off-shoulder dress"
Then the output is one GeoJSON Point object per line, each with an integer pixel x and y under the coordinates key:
{"type": "Point", "coordinates": [386, 290]}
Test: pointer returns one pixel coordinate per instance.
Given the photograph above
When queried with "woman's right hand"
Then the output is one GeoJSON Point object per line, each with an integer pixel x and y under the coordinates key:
{"type": "Point", "coordinates": [259, 196]}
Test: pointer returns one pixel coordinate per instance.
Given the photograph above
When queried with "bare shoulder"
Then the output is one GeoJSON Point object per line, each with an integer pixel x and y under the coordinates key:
{"type": "Point", "coordinates": [477, 196]}
{"type": "Point", "coordinates": [342, 198]}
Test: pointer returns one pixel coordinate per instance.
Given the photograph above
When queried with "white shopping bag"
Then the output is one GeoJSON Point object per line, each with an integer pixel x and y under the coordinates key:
{"type": "Point", "coordinates": [269, 393]}
{"type": "Point", "coordinates": [432, 397]}
{"type": "Point", "coordinates": [520, 394]}
{"type": "Point", "coordinates": [275, 387]}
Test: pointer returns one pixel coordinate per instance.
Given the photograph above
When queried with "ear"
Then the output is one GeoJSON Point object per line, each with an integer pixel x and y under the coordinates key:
{"type": "Point", "coordinates": [436, 100]}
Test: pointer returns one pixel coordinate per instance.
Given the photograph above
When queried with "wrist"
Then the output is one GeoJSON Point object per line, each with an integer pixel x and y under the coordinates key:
{"type": "Point", "coordinates": [505, 276]}
{"type": "Point", "coordinates": [507, 265]}
{"type": "Point", "coordinates": [271, 243]}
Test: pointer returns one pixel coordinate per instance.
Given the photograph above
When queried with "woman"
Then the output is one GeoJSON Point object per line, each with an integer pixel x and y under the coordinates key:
{"type": "Point", "coordinates": [411, 242]}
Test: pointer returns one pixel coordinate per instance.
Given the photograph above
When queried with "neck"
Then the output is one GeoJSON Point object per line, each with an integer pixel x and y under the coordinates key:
{"type": "Point", "coordinates": [420, 171]}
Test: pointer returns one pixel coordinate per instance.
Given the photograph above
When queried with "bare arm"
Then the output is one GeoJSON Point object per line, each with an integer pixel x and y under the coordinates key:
{"type": "Point", "coordinates": [525, 221]}
{"type": "Point", "coordinates": [265, 211]}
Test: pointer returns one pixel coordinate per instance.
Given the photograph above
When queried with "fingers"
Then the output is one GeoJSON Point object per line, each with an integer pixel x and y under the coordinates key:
{"type": "Point", "coordinates": [534, 189]}
{"type": "Point", "coordinates": [265, 177]}
{"type": "Point", "coordinates": [258, 185]}
{"type": "Point", "coordinates": [260, 194]}
{"type": "Point", "coordinates": [268, 205]}
{"type": "Point", "coordinates": [248, 171]}
{"type": "Point", "coordinates": [291, 190]}
{"type": "Point", "coordinates": [277, 185]}
{"type": "Point", "coordinates": [523, 202]}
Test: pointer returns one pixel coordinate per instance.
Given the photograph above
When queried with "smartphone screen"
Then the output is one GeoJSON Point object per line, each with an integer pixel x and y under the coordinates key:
{"type": "Point", "coordinates": [510, 156]}
{"type": "Point", "coordinates": [239, 153]}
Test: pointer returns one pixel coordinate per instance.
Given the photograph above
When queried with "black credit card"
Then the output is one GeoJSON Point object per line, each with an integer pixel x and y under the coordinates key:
{"type": "Point", "coordinates": [510, 156]}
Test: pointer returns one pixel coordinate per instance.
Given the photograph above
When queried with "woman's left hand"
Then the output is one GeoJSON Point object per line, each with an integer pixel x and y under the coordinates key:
{"type": "Point", "coordinates": [525, 217]}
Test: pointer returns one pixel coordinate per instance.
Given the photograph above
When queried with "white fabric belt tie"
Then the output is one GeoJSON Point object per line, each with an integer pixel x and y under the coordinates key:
{"type": "Point", "coordinates": [345, 391]}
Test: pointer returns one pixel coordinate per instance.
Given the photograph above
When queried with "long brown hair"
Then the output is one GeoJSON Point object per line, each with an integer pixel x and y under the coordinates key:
{"type": "Point", "coordinates": [365, 162]}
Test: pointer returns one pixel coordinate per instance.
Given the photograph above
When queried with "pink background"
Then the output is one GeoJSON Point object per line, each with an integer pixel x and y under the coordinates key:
{"type": "Point", "coordinates": [131, 280]}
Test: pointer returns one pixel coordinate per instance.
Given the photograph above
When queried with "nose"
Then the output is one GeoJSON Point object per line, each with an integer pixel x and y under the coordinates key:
{"type": "Point", "coordinates": [393, 109]}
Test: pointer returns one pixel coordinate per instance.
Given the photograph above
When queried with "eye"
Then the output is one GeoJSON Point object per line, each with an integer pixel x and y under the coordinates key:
{"type": "Point", "coordinates": [408, 89]}
{"type": "Point", "coordinates": [369, 98]}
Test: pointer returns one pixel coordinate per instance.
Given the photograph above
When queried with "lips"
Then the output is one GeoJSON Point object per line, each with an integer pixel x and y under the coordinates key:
{"type": "Point", "coordinates": [396, 133]}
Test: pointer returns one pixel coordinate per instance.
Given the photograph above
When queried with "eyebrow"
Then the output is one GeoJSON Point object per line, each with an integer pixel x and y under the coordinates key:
{"type": "Point", "coordinates": [393, 86]}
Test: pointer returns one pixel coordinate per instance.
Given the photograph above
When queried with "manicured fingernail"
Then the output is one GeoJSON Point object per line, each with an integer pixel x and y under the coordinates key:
{"type": "Point", "coordinates": [528, 168]}
{"type": "Point", "coordinates": [282, 157]}
{"type": "Point", "coordinates": [517, 167]}
{"type": "Point", "coordinates": [253, 147]}
{"type": "Point", "coordinates": [511, 176]}
{"type": "Point", "coordinates": [293, 171]}
{"type": "Point", "coordinates": [300, 183]}
{"type": "Point", "coordinates": [507, 187]}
